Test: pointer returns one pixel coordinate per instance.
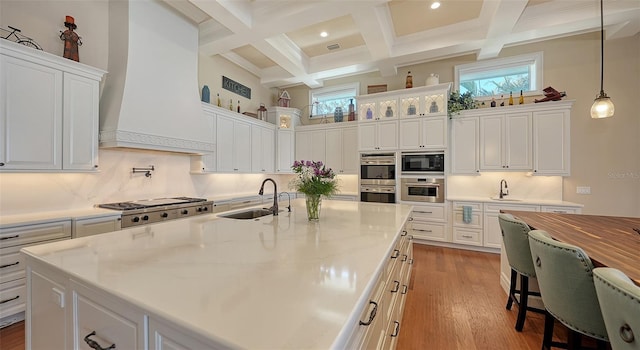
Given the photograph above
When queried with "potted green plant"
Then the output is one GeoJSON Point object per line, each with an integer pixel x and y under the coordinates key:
{"type": "Point", "coordinates": [460, 102]}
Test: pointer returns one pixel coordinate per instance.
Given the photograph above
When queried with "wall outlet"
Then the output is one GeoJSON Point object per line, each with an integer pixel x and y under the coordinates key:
{"type": "Point", "coordinates": [583, 190]}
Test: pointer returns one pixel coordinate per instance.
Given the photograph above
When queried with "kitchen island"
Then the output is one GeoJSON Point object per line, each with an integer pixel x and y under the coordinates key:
{"type": "Point", "coordinates": [277, 282]}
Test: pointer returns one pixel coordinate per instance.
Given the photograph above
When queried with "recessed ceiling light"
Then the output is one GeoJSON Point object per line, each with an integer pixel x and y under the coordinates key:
{"type": "Point", "coordinates": [324, 34]}
{"type": "Point", "coordinates": [435, 5]}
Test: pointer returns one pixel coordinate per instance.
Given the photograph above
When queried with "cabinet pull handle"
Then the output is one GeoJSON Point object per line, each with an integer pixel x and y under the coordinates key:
{"type": "Point", "coordinates": [396, 288]}
{"type": "Point", "coordinates": [94, 344]}
{"type": "Point", "coordinates": [10, 237]}
{"type": "Point", "coordinates": [417, 229]}
{"type": "Point", "coordinates": [410, 261]}
{"type": "Point", "coordinates": [396, 253]}
{"type": "Point", "coordinates": [372, 315]}
{"type": "Point", "coordinates": [404, 233]}
{"type": "Point", "coordinates": [8, 300]}
{"type": "Point", "coordinates": [410, 219]}
{"type": "Point", "coordinates": [467, 236]}
{"type": "Point", "coordinates": [396, 331]}
{"type": "Point", "coordinates": [404, 289]}
{"type": "Point", "coordinates": [424, 212]}
{"type": "Point", "coordinates": [404, 257]}
{"type": "Point", "coordinates": [7, 265]}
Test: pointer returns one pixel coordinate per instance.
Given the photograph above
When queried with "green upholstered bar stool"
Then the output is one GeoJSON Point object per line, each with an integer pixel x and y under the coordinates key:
{"type": "Point", "coordinates": [565, 277]}
{"type": "Point", "coordinates": [619, 300]}
{"type": "Point", "coordinates": [516, 245]}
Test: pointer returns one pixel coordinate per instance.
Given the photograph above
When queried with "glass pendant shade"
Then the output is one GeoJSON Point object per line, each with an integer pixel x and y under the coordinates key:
{"type": "Point", "coordinates": [602, 107]}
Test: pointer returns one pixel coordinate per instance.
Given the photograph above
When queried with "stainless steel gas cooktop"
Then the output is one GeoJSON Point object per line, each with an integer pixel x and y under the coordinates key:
{"type": "Point", "coordinates": [147, 211]}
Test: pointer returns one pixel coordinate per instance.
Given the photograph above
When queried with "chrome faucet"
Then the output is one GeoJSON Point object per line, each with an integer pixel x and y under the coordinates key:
{"type": "Point", "coordinates": [289, 196]}
{"type": "Point", "coordinates": [504, 192]}
{"type": "Point", "coordinates": [274, 208]}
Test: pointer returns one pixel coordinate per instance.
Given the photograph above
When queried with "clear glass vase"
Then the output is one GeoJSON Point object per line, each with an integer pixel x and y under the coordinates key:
{"type": "Point", "coordinates": [314, 201]}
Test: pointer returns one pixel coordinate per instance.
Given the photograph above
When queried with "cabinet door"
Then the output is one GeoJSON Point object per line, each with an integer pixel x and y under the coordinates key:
{"type": "Point", "coordinates": [410, 134]}
{"type": "Point", "coordinates": [367, 137]}
{"type": "Point", "coordinates": [80, 123]}
{"type": "Point", "coordinates": [491, 143]}
{"type": "Point", "coordinates": [242, 147]}
{"type": "Point", "coordinates": [434, 131]}
{"type": "Point", "coordinates": [48, 327]}
{"type": "Point", "coordinates": [94, 226]}
{"type": "Point", "coordinates": [551, 143]}
{"type": "Point", "coordinates": [285, 151]}
{"type": "Point", "coordinates": [517, 140]}
{"type": "Point", "coordinates": [464, 146]}
{"type": "Point", "coordinates": [31, 98]}
{"type": "Point", "coordinates": [268, 149]}
{"type": "Point", "coordinates": [387, 135]}
{"type": "Point", "coordinates": [318, 146]}
{"type": "Point", "coordinates": [334, 150]}
{"type": "Point", "coordinates": [350, 155]}
{"type": "Point", "coordinates": [303, 145]}
{"type": "Point", "coordinates": [256, 149]}
{"type": "Point", "coordinates": [224, 144]}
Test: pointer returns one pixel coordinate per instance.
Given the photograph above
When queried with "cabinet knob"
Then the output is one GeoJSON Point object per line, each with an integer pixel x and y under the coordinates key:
{"type": "Point", "coordinates": [96, 166]}
{"type": "Point", "coordinates": [1, 164]}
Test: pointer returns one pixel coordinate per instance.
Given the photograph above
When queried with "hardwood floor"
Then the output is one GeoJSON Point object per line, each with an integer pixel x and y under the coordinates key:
{"type": "Point", "coordinates": [454, 302]}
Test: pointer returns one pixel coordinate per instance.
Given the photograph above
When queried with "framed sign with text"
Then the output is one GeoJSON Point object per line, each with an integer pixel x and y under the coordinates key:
{"type": "Point", "coordinates": [236, 87]}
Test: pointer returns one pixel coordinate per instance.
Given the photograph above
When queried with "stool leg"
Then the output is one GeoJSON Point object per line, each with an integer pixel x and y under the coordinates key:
{"type": "Point", "coordinates": [512, 288]}
{"type": "Point", "coordinates": [548, 331]}
{"type": "Point", "coordinates": [524, 297]}
{"type": "Point", "coordinates": [574, 340]}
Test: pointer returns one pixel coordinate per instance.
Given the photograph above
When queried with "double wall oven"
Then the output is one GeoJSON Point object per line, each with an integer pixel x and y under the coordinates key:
{"type": "Point", "coordinates": [378, 177]}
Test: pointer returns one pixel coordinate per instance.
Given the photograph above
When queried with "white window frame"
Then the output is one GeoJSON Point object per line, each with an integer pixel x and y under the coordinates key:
{"type": "Point", "coordinates": [536, 59]}
{"type": "Point", "coordinates": [337, 90]}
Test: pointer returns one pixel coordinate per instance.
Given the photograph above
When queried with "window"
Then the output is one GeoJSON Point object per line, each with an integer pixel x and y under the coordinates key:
{"type": "Point", "coordinates": [325, 100]}
{"type": "Point", "coordinates": [501, 76]}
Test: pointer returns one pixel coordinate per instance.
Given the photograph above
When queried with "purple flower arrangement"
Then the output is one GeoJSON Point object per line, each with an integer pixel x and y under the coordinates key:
{"type": "Point", "coordinates": [313, 178]}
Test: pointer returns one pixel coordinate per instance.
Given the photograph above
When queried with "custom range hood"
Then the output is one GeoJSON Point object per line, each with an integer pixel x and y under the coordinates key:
{"type": "Point", "coordinates": [151, 98]}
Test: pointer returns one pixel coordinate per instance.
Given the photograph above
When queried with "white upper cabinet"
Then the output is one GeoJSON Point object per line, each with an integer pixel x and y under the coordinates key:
{"type": "Point", "coordinates": [49, 113]}
{"type": "Point", "coordinates": [379, 136]}
{"type": "Point", "coordinates": [423, 133]}
{"type": "Point", "coordinates": [262, 149]}
{"type": "Point", "coordinates": [464, 145]}
{"type": "Point", "coordinates": [233, 145]}
{"type": "Point", "coordinates": [532, 137]}
{"type": "Point", "coordinates": [341, 150]}
{"type": "Point", "coordinates": [551, 142]}
{"type": "Point", "coordinates": [505, 142]}
{"type": "Point", "coordinates": [285, 150]}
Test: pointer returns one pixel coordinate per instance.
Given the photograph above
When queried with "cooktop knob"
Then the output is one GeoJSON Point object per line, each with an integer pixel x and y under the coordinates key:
{"type": "Point", "coordinates": [145, 218]}
{"type": "Point", "coordinates": [164, 215]}
{"type": "Point", "coordinates": [185, 212]}
{"type": "Point", "coordinates": [135, 219]}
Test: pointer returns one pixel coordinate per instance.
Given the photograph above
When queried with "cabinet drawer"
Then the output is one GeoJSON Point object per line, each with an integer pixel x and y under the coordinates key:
{"type": "Point", "coordinates": [94, 226]}
{"type": "Point", "coordinates": [465, 236]}
{"type": "Point", "coordinates": [474, 205]}
{"type": "Point", "coordinates": [560, 210]}
{"type": "Point", "coordinates": [11, 264]}
{"type": "Point", "coordinates": [430, 231]}
{"type": "Point", "coordinates": [496, 207]}
{"type": "Point", "coordinates": [371, 325]}
{"type": "Point", "coordinates": [109, 327]}
{"type": "Point", "coordinates": [13, 296]}
{"type": "Point", "coordinates": [34, 233]}
{"type": "Point", "coordinates": [428, 213]}
{"type": "Point", "coordinates": [476, 219]}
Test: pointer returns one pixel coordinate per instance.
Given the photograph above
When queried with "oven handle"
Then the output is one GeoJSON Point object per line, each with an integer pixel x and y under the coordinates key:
{"type": "Point", "coordinates": [377, 162]}
{"type": "Point", "coordinates": [421, 184]}
{"type": "Point", "coordinates": [377, 189]}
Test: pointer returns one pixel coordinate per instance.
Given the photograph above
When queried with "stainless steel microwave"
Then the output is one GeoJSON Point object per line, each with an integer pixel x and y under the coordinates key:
{"type": "Point", "coordinates": [422, 163]}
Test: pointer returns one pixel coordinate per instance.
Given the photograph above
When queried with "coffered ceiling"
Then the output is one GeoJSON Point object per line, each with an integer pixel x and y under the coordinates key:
{"type": "Point", "coordinates": [279, 40]}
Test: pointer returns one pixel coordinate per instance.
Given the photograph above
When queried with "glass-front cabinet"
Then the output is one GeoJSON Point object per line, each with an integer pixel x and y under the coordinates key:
{"type": "Point", "coordinates": [424, 101]}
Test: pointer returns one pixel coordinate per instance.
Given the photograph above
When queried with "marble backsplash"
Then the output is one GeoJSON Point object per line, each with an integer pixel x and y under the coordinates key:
{"type": "Point", "coordinates": [34, 192]}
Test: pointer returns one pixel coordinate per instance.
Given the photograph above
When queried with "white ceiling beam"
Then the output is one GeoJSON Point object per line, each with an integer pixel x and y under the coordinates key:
{"type": "Point", "coordinates": [504, 19]}
{"type": "Point", "coordinates": [242, 62]}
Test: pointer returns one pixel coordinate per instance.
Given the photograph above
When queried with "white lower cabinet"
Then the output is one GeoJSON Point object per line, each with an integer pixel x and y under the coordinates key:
{"type": "Point", "coordinates": [99, 320]}
{"type": "Point", "coordinates": [467, 230]}
{"type": "Point", "coordinates": [492, 231]}
{"type": "Point", "coordinates": [96, 225]}
{"type": "Point", "coordinates": [429, 222]}
{"type": "Point", "coordinates": [48, 297]}
{"type": "Point", "coordinates": [164, 337]}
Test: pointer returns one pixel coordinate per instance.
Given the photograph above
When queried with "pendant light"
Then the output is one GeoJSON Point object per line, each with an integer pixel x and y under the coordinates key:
{"type": "Point", "coordinates": [602, 106]}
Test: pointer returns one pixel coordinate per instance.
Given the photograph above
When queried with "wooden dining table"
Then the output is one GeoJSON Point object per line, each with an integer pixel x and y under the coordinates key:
{"type": "Point", "coordinates": [609, 241]}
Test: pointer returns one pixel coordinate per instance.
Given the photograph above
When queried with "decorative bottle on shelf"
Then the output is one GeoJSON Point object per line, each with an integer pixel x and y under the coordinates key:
{"type": "Point", "coordinates": [493, 102]}
{"type": "Point", "coordinates": [521, 100]}
{"type": "Point", "coordinates": [238, 106]}
{"type": "Point", "coordinates": [389, 112]}
{"type": "Point", "coordinates": [337, 115]}
{"type": "Point", "coordinates": [409, 82]}
{"type": "Point", "coordinates": [352, 111]}
{"type": "Point", "coordinates": [433, 108]}
{"type": "Point", "coordinates": [510, 98]}
{"type": "Point", "coordinates": [231, 104]}
{"type": "Point", "coordinates": [206, 94]}
{"type": "Point", "coordinates": [411, 110]}
{"type": "Point", "coordinates": [501, 100]}
{"type": "Point", "coordinates": [369, 113]}
{"type": "Point", "coordinates": [219, 102]}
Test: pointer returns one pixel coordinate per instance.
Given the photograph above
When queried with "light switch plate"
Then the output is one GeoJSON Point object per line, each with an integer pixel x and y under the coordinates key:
{"type": "Point", "coordinates": [583, 190]}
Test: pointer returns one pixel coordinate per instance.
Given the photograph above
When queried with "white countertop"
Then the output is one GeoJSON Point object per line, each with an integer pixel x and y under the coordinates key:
{"type": "Point", "coordinates": [7, 221]}
{"type": "Point", "coordinates": [516, 201]}
{"type": "Point", "coordinates": [279, 282]}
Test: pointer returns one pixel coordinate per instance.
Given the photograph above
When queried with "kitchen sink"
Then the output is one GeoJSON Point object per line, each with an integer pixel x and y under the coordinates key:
{"type": "Point", "coordinates": [506, 199]}
{"type": "Point", "coordinates": [248, 214]}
